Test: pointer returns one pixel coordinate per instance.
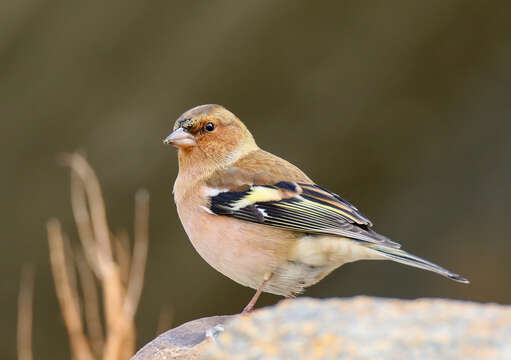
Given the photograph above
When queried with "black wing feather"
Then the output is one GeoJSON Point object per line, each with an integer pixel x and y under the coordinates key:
{"type": "Point", "coordinates": [299, 207]}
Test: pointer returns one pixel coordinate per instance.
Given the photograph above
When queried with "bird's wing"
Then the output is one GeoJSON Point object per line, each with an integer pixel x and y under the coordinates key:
{"type": "Point", "coordinates": [291, 205]}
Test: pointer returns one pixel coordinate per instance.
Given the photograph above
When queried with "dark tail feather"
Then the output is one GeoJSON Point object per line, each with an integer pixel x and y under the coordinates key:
{"type": "Point", "coordinates": [403, 257]}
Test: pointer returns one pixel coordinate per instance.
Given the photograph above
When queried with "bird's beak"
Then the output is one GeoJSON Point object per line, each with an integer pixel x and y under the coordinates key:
{"type": "Point", "coordinates": [180, 138]}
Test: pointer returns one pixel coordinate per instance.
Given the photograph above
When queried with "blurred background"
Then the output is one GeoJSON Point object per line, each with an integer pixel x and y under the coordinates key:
{"type": "Point", "coordinates": [402, 109]}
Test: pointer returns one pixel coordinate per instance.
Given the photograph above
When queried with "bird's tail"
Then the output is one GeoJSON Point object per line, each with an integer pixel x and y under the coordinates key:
{"type": "Point", "coordinates": [403, 257]}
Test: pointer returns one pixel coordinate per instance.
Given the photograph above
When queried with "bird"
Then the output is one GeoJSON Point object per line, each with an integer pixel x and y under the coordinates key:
{"type": "Point", "coordinates": [260, 220]}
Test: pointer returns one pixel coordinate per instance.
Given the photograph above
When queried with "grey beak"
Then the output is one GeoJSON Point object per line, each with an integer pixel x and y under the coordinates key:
{"type": "Point", "coordinates": [180, 138]}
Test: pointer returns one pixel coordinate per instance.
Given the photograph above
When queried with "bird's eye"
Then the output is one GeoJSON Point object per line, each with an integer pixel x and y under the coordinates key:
{"type": "Point", "coordinates": [209, 127]}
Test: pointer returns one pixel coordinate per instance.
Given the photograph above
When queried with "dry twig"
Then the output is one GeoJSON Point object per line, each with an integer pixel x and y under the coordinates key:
{"type": "Point", "coordinates": [25, 308]}
{"type": "Point", "coordinates": [68, 300]}
{"type": "Point", "coordinates": [91, 305]}
{"type": "Point", "coordinates": [164, 320]}
{"type": "Point", "coordinates": [120, 272]}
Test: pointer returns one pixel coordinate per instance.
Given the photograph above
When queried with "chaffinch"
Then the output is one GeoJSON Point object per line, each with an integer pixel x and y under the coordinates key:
{"type": "Point", "coordinates": [258, 219]}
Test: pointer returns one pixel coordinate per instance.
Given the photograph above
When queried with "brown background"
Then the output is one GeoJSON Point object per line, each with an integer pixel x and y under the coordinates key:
{"type": "Point", "coordinates": [401, 107]}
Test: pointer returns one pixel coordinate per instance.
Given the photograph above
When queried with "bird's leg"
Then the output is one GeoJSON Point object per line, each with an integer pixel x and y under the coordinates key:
{"type": "Point", "coordinates": [253, 301]}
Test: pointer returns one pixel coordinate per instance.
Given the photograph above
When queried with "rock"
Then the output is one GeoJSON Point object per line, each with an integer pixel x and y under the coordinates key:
{"type": "Point", "coordinates": [364, 328]}
{"type": "Point", "coordinates": [184, 342]}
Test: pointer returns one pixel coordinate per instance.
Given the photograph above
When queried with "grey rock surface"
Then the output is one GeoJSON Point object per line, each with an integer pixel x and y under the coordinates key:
{"type": "Point", "coordinates": [363, 328]}
{"type": "Point", "coordinates": [183, 342]}
{"type": "Point", "coordinates": [369, 328]}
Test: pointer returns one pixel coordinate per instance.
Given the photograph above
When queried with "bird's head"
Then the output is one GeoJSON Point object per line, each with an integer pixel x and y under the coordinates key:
{"type": "Point", "coordinates": [210, 133]}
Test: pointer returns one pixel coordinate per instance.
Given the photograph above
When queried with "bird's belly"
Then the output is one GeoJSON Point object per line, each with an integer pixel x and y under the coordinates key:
{"type": "Point", "coordinates": [249, 253]}
{"type": "Point", "coordinates": [245, 252]}
{"type": "Point", "coordinates": [292, 277]}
